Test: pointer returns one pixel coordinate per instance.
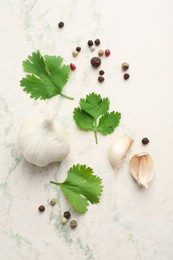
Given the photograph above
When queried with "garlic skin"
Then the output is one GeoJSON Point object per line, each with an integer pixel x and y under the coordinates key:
{"type": "Point", "coordinates": [141, 167]}
{"type": "Point", "coordinates": [118, 150]}
{"type": "Point", "coordinates": [42, 141]}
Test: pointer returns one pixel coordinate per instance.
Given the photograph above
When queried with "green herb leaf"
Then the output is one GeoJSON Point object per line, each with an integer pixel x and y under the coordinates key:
{"type": "Point", "coordinates": [80, 187]}
{"type": "Point", "coordinates": [93, 115]}
{"type": "Point", "coordinates": [83, 120]}
{"type": "Point", "coordinates": [108, 122]}
{"type": "Point", "coordinates": [46, 77]}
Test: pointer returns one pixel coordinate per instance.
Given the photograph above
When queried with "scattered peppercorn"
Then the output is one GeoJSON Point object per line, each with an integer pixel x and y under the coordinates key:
{"type": "Point", "coordinates": [63, 220]}
{"type": "Point", "coordinates": [126, 76]}
{"type": "Point", "coordinates": [73, 224]}
{"type": "Point", "coordinates": [90, 43]}
{"type": "Point", "coordinates": [145, 140]}
{"type": "Point", "coordinates": [100, 52]}
{"type": "Point", "coordinates": [97, 42]}
{"type": "Point", "coordinates": [107, 53]}
{"type": "Point", "coordinates": [41, 208]}
{"type": "Point", "coordinates": [125, 66]}
{"type": "Point", "coordinates": [96, 62]}
{"type": "Point", "coordinates": [75, 53]}
{"type": "Point", "coordinates": [101, 79]}
{"type": "Point", "coordinates": [101, 72]}
{"type": "Point", "coordinates": [78, 49]}
{"type": "Point", "coordinates": [72, 66]}
{"type": "Point", "coordinates": [61, 24]}
{"type": "Point", "coordinates": [92, 48]}
{"type": "Point", "coordinates": [52, 202]}
{"type": "Point", "coordinates": [67, 214]}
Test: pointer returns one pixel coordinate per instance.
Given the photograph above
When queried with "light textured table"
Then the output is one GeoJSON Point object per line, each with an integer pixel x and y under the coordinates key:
{"type": "Point", "coordinates": [129, 223]}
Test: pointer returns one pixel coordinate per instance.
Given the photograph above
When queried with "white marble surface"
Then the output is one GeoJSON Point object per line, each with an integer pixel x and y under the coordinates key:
{"type": "Point", "coordinates": [129, 223]}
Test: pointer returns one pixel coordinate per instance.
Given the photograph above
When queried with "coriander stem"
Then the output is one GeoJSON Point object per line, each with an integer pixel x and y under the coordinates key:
{"type": "Point", "coordinates": [54, 182]}
{"type": "Point", "coordinates": [66, 96]}
{"type": "Point", "coordinates": [95, 134]}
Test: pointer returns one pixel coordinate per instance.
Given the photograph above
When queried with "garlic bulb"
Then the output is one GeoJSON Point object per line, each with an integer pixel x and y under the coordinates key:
{"type": "Point", "coordinates": [118, 150]}
{"type": "Point", "coordinates": [43, 141]}
{"type": "Point", "coordinates": [142, 168]}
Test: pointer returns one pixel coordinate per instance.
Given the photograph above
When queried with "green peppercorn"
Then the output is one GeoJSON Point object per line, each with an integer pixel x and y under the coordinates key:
{"type": "Point", "coordinates": [41, 208]}
{"type": "Point", "coordinates": [67, 214]}
{"type": "Point", "coordinates": [125, 66]}
{"type": "Point", "coordinates": [52, 202]}
{"type": "Point", "coordinates": [73, 224]}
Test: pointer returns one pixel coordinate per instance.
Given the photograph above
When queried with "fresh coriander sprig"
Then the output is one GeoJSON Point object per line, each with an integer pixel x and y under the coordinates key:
{"type": "Point", "coordinates": [93, 115]}
{"type": "Point", "coordinates": [80, 187]}
{"type": "Point", "coordinates": [46, 76]}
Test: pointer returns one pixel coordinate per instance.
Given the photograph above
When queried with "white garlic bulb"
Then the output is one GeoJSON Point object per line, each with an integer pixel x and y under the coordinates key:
{"type": "Point", "coordinates": [142, 168]}
{"type": "Point", "coordinates": [42, 141]}
{"type": "Point", "coordinates": [118, 150]}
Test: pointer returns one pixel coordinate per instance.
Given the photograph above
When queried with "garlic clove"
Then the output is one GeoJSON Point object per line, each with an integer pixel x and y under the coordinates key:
{"type": "Point", "coordinates": [141, 167]}
{"type": "Point", "coordinates": [118, 150]}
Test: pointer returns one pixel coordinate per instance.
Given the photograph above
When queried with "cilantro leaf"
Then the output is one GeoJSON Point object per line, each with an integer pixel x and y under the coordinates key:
{"type": "Point", "coordinates": [46, 77]}
{"type": "Point", "coordinates": [108, 122]}
{"type": "Point", "coordinates": [81, 187]}
{"type": "Point", "coordinates": [83, 120]}
{"type": "Point", "coordinates": [95, 105]}
{"type": "Point", "coordinates": [93, 115]}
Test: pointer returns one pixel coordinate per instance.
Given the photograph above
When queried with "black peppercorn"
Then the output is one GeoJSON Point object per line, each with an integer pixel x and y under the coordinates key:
{"type": "Point", "coordinates": [78, 49]}
{"type": "Point", "coordinates": [145, 140]}
{"type": "Point", "coordinates": [41, 208]}
{"type": "Point", "coordinates": [101, 72]}
{"type": "Point", "coordinates": [95, 61]}
{"type": "Point", "coordinates": [97, 42]}
{"type": "Point", "coordinates": [67, 214]}
{"type": "Point", "coordinates": [126, 76]}
{"type": "Point", "coordinates": [100, 79]}
{"type": "Point", "coordinates": [90, 43]}
{"type": "Point", "coordinates": [61, 24]}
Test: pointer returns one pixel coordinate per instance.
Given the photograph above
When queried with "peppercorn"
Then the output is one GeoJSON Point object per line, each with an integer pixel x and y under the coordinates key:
{"type": "Point", "coordinates": [97, 42]}
{"type": "Point", "coordinates": [67, 214]}
{"type": "Point", "coordinates": [61, 24]}
{"type": "Point", "coordinates": [101, 72]}
{"type": "Point", "coordinates": [52, 202]}
{"type": "Point", "coordinates": [124, 66]}
{"type": "Point", "coordinates": [101, 79]}
{"type": "Point", "coordinates": [126, 76]}
{"type": "Point", "coordinates": [72, 66]}
{"type": "Point", "coordinates": [90, 43]}
{"type": "Point", "coordinates": [75, 53]}
{"type": "Point", "coordinates": [78, 49]}
{"type": "Point", "coordinates": [63, 220]}
{"type": "Point", "coordinates": [92, 48]}
{"type": "Point", "coordinates": [73, 224]}
{"type": "Point", "coordinates": [107, 53]}
{"type": "Point", "coordinates": [100, 52]}
{"type": "Point", "coordinates": [145, 140]}
{"type": "Point", "coordinates": [96, 62]}
{"type": "Point", "coordinates": [41, 208]}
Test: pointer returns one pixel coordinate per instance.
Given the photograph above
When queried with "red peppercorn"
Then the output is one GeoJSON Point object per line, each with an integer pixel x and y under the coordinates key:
{"type": "Point", "coordinates": [107, 53]}
{"type": "Point", "coordinates": [72, 66]}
